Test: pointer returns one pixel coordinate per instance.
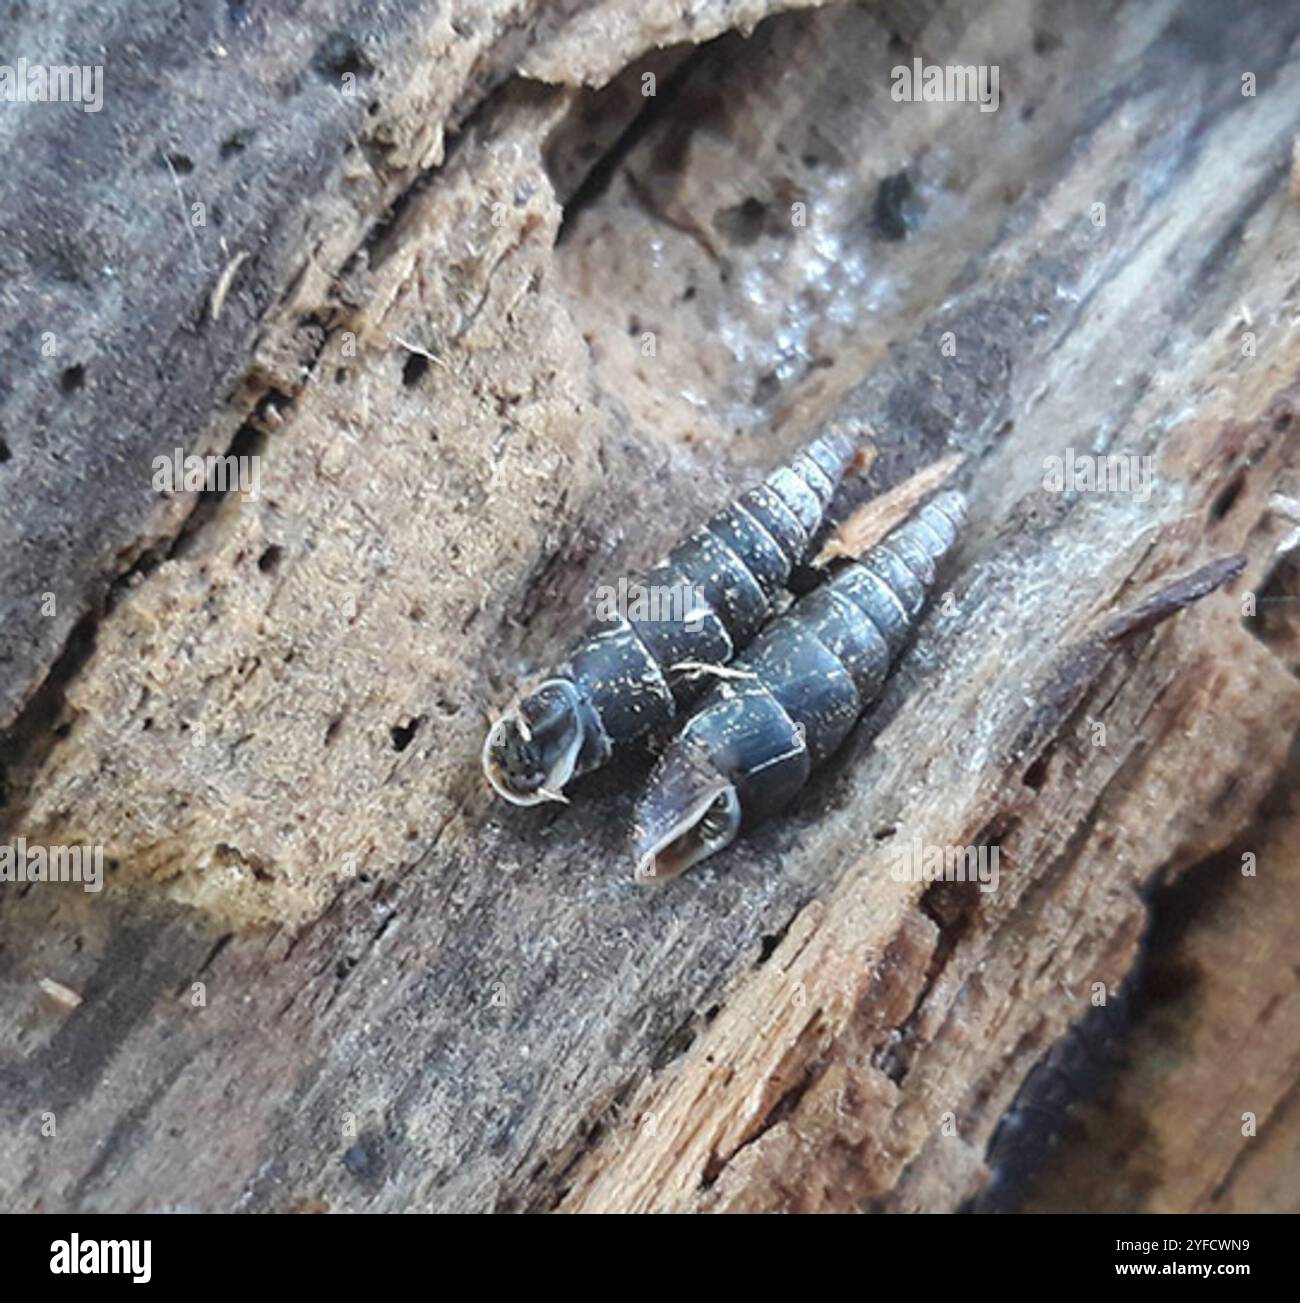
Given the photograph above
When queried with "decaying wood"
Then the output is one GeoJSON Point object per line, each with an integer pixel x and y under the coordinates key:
{"type": "Point", "coordinates": [1197, 1106]}
{"type": "Point", "coordinates": [501, 337]}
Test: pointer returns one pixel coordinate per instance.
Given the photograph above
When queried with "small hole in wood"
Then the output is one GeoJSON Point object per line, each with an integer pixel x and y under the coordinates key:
{"type": "Point", "coordinates": [414, 369]}
{"type": "Point", "coordinates": [403, 733]}
{"type": "Point", "coordinates": [1228, 498]}
{"type": "Point", "coordinates": [1036, 773]}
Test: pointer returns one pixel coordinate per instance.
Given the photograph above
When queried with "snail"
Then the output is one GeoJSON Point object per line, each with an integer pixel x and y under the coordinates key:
{"type": "Point", "coordinates": [790, 699]}
{"type": "Point", "coordinates": [634, 670]}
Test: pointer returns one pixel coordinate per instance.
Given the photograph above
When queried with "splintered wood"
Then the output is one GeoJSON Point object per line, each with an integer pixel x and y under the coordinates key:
{"type": "Point", "coordinates": [873, 520]}
{"type": "Point", "coordinates": [507, 329]}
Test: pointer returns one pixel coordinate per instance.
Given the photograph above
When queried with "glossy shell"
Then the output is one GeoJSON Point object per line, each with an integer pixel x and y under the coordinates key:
{"type": "Point", "coordinates": [632, 673]}
{"type": "Point", "coordinates": [803, 684]}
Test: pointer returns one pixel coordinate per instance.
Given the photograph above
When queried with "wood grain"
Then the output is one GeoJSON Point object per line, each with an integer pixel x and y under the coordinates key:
{"type": "Point", "coordinates": [328, 971]}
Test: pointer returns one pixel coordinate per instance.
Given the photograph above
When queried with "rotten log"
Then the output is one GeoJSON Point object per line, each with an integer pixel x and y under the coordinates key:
{"type": "Point", "coordinates": [506, 325]}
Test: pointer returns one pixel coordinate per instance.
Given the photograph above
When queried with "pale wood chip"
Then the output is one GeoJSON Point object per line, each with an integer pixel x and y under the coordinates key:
{"type": "Point", "coordinates": [65, 995]}
{"type": "Point", "coordinates": [873, 520]}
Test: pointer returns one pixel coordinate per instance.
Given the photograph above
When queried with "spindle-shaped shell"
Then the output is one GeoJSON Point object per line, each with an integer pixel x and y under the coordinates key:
{"type": "Point", "coordinates": [635, 671]}
{"type": "Point", "coordinates": [791, 699]}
